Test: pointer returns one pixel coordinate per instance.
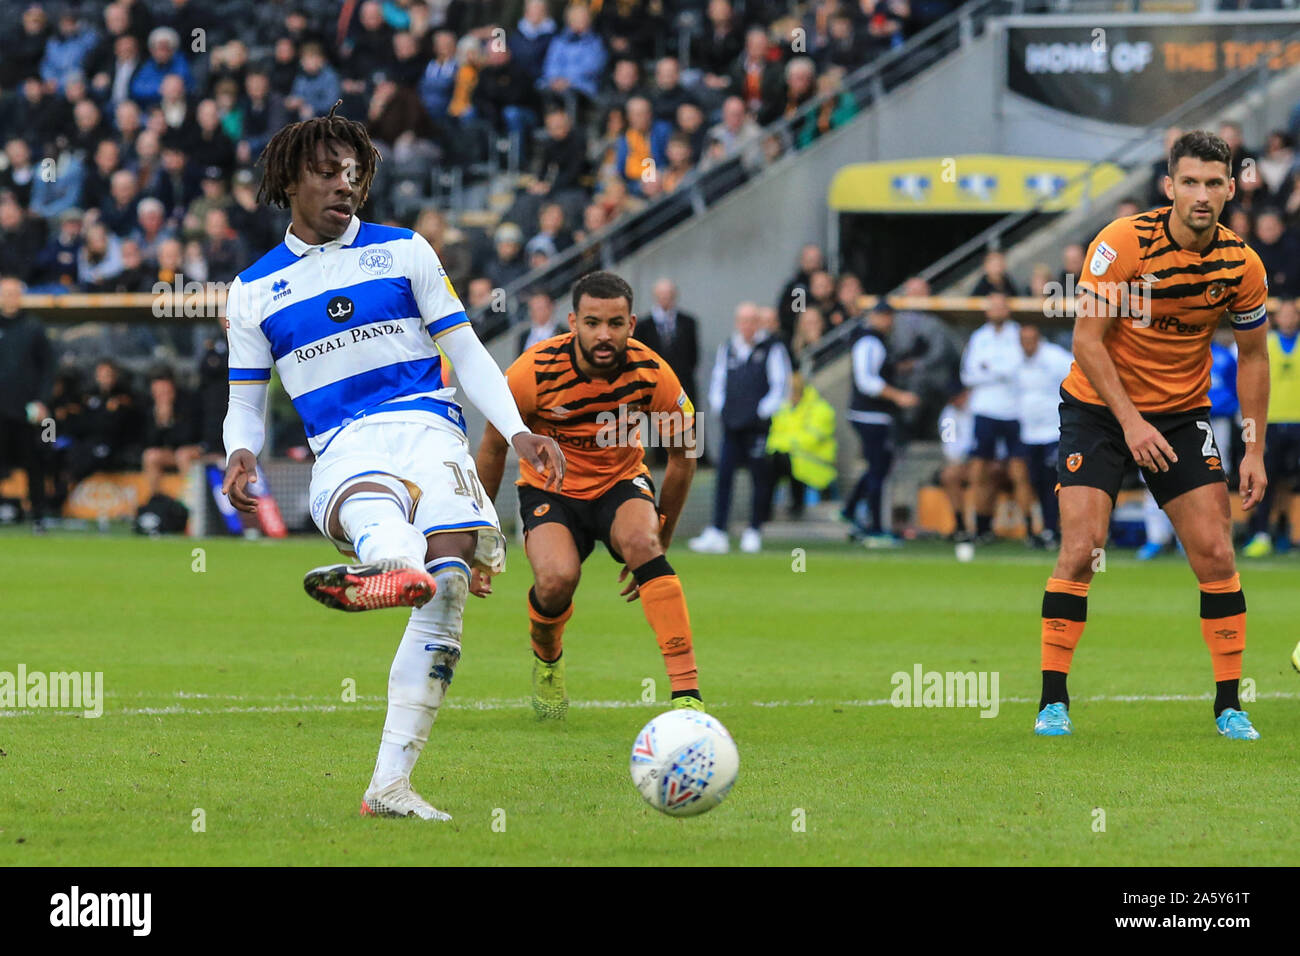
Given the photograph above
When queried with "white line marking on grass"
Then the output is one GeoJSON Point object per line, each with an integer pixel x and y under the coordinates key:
{"type": "Point", "coordinates": [524, 703]}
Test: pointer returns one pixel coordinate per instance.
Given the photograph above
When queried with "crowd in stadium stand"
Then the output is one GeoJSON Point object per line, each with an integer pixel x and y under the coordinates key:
{"type": "Point", "coordinates": [131, 127]}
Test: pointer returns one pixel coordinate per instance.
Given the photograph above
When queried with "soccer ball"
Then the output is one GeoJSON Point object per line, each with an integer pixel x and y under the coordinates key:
{"type": "Point", "coordinates": [684, 762]}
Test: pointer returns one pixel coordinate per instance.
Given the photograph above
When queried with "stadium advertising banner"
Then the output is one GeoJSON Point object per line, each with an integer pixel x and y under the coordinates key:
{"type": "Point", "coordinates": [1132, 73]}
{"type": "Point", "coordinates": [969, 183]}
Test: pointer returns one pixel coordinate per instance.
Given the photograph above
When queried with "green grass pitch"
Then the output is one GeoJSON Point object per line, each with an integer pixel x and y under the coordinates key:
{"type": "Point", "coordinates": [225, 693]}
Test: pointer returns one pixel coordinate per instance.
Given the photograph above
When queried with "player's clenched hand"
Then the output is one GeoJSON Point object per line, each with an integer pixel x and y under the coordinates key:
{"type": "Point", "coordinates": [480, 582]}
{"type": "Point", "coordinates": [1252, 479]}
{"type": "Point", "coordinates": [1150, 448]}
{"type": "Point", "coordinates": [631, 592]}
{"type": "Point", "coordinates": [241, 470]}
{"type": "Point", "coordinates": [543, 454]}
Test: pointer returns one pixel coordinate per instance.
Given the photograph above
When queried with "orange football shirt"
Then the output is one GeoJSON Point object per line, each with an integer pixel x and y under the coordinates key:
{"type": "Point", "coordinates": [1160, 344]}
{"type": "Point", "coordinates": [595, 420]}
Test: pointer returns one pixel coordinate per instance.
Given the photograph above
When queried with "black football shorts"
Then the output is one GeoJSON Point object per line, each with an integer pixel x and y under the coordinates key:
{"type": "Point", "coordinates": [1093, 452]}
{"type": "Point", "coordinates": [588, 520]}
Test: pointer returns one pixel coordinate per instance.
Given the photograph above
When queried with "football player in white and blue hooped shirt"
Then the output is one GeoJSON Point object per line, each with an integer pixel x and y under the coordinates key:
{"type": "Point", "coordinates": [356, 318]}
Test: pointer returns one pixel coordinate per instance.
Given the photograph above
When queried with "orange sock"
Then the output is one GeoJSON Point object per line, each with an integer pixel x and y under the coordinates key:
{"type": "Point", "coordinates": [1065, 611]}
{"type": "Point", "coordinates": [664, 604]}
{"type": "Point", "coordinates": [1223, 625]}
{"type": "Point", "coordinates": [546, 633]}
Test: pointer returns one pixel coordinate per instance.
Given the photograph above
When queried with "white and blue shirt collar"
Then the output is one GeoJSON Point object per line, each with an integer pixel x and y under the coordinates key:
{"type": "Point", "coordinates": [300, 248]}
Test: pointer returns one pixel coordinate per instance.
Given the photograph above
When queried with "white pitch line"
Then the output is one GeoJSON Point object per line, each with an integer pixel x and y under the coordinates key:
{"type": "Point", "coordinates": [495, 704]}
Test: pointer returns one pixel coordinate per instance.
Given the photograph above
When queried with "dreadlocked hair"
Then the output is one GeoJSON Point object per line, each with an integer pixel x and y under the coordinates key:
{"type": "Point", "coordinates": [297, 145]}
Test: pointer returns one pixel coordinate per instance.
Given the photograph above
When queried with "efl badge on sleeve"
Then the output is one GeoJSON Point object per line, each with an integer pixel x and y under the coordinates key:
{"type": "Point", "coordinates": [1101, 259]}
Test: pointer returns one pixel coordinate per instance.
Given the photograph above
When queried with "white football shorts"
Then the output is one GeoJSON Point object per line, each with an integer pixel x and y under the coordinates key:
{"type": "Point", "coordinates": [432, 459]}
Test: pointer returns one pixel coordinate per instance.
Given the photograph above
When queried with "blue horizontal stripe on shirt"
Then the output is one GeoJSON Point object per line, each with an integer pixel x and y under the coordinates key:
{"type": "Point", "coordinates": [447, 323]}
{"type": "Point", "coordinates": [1253, 325]}
{"type": "Point", "coordinates": [326, 407]}
{"type": "Point", "coordinates": [281, 257]}
{"type": "Point", "coordinates": [250, 375]}
{"type": "Point", "coordinates": [307, 321]}
{"type": "Point", "coordinates": [448, 410]}
{"type": "Point", "coordinates": [374, 233]}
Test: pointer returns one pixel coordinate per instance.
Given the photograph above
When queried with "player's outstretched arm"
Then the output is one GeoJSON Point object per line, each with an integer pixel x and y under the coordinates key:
{"type": "Point", "coordinates": [491, 461]}
{"type": "Point", "coordinates": [488, 390]}
{"type": "Point", "coordinates": [244, 430]}
{"type": "Point", "coordinates": [1252, 393]}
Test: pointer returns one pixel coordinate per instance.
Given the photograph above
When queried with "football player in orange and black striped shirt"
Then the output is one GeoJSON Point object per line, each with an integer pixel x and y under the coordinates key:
{"type": "Point", "coordinates": [1156, 287]}
{"type": "Point", "coordinates": [594, 390]}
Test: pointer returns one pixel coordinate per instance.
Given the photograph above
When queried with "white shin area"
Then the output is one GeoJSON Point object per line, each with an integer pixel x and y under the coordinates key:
{"type": "Point", "coordinates": [423, 667]}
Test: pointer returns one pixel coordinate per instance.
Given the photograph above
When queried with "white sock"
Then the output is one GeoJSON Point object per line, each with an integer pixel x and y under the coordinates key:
{"type": "Point", "coordinates": [376, 525]}
{"type": "Point", "coordinates": [425, 662]}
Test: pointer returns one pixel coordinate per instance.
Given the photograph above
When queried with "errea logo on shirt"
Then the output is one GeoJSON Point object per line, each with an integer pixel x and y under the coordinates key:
{"type": "Point", "coordinates": [279, 289]}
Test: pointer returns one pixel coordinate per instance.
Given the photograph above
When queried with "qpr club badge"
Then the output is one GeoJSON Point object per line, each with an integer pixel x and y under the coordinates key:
{"type": "Point", "coordinates": [376, 262]}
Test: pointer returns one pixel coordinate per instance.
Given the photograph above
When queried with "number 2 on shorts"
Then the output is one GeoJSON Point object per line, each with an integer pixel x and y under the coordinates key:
{"type": "Point", "coordinates": [1207, 447]}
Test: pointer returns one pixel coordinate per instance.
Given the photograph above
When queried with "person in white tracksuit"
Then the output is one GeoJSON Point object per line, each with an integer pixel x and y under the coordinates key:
{"type": "Point", "coordinates": [989, 369]}
{"type": "Point", "coordinates": [1038, 383]}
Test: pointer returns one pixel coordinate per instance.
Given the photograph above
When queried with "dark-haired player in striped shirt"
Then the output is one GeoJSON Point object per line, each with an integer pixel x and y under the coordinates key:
{"type": "Point", "coordinates": [1155, 288]}
{"type": "Point", "coordinates": [589, 389]}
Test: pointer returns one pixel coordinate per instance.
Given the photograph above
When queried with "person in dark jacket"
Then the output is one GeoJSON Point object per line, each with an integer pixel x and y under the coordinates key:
{"type": "Point", "coordinates": [995, 277]}
{"type": "Point", "coordinates": [794, 297]}
{"type": "Point", "coordinates": [532, 37]}
{"type": "Point", "coordinates": [542, 323]}
{"type": "Point", "coordinates": [874, 401]}
{"type": "Point", "coordinates": [505, 96]}
{"type": "Point", "coordinates": [171, 430]}
{"type": "Point", "coordinates": [107, 426]}
{"type": "Point", "coordinates": [672, 334]}
{"type": "Point", "coordinates": [21, 238]}
{"type": "Point", "coordinates": [758, 79]}
{"type": "Point", "coordinates": [26, 383]}
{"type": "Point", "coordinates": [562, 158]}
{"type": "Point", "coordinates": [750, 379]}
{"type": "Point", "coordinates": [1279, 250]}
{"type": "Point", "coordinates": [716, 48]}
{"type": "Point", "coordinates": [56, 263]}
